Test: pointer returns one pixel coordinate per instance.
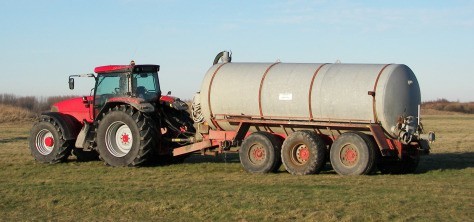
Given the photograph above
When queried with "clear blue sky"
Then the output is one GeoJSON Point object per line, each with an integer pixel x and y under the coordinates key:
{"type": "Point", "coordinates": [42, 42]}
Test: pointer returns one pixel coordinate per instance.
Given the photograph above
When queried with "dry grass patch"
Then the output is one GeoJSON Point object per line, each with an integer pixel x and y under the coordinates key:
{"type": "Point", "coordinates": [14, 114]}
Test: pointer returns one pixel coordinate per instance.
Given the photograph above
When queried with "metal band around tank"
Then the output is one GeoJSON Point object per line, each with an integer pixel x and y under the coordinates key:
{"type": "Point", "coordinates": [260, 89]}
{"type": "Point", "coordinates": [311, 90]}
{"type": "Point", "coordinates": [209, 97]}
{"type": "Point", "coordinates": [374, 108]}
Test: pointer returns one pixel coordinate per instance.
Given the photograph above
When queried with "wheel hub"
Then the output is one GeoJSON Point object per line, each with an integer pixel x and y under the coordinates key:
{"type": "Point", "coordinates": [118, 139]}
{"type": "Point", "coordinates": [44, 142]}
{"type": "Point", "coordinates": [257, 154]}
{"type": "Point", "coordinates": [49, 141]}
{"type": "Point", "coordinates": [303, 153]}
{"type": "Point", "coordinates": [349, 155]}
{"type": "Point", "coordinates": [125, 138]}
{"type": "Point", "coordinates": [300, 154]}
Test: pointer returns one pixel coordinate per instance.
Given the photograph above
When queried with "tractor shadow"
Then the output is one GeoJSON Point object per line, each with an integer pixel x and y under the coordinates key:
{"type": "Point", "coordinates": [446, 161]}
{"type": "Point", "coordinates": [13, 139]}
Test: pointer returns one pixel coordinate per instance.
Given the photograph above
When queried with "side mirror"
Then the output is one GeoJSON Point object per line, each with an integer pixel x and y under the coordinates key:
{"type": "Point", "coordinates": [71, 83]}
{"type": "Point", "coordinates": [169, 93]}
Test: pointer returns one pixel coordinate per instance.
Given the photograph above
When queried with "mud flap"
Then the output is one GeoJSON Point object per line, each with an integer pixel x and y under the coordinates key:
{"type": "Point", "coordinates": [81, 138]}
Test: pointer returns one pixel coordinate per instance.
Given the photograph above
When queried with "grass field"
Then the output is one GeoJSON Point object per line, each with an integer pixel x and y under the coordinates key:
{"type": "Point", "coordinates": [217, 188]}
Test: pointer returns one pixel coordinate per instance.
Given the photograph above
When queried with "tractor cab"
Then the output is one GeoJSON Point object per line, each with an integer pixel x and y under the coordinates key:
{"type": "Point", "coordinates": [138, 82]}
{"type": "Point", "coordinates": [128, 84]}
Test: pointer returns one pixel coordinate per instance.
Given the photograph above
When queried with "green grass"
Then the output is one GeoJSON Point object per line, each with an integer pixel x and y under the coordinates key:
{"type": "Point", "coordinates": [217, 188]}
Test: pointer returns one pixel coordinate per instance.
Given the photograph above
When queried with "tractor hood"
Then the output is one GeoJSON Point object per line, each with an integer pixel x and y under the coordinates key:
{"type": "Point", "coordinates": [76, 107]}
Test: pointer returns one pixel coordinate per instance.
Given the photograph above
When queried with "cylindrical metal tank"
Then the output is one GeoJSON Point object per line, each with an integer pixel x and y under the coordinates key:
{"type": "Point", "coordinates": [310, 91]}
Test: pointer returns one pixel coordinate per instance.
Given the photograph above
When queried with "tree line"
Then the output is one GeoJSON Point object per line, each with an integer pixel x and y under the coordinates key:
{"type": "Point", "coordinates": [446, 105]}
{"type": "Point", "coordinates": [31, 103]}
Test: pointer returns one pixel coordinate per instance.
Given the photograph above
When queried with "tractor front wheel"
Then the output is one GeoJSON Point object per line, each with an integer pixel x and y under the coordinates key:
{"type": "Point", "coordinates": [46, 142]}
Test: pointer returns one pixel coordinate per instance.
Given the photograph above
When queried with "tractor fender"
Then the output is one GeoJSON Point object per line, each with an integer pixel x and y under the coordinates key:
{"type": "Point", "coordinates": [136, 103]}
{"type": "Point", "coordinates": [69, 125]}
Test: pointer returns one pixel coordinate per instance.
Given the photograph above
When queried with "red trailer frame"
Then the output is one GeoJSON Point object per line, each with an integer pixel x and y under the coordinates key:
{"type": "Point", "coordinates": [219, 140]}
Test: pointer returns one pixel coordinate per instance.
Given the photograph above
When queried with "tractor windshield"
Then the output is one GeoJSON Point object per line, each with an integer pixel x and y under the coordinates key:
{"type": "Point", "coordinates": [146, 86]}
{"type": "Point", "coordinates": [110, 85]}
{"type": "Point", "coordinates": [115, 83]}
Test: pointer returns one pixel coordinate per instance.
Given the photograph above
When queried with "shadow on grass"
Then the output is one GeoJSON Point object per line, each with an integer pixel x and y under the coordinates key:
{"type": "Point", "coordinates": [446, 161]}
{"type": "Point", "coordinates": [14, 139]}
{"type": "Point", "coordinates": [432, 162]}
{"type": "Point", "coordinates": [221, 158]}
{"type": "Point", "coordinates": [436, 161]}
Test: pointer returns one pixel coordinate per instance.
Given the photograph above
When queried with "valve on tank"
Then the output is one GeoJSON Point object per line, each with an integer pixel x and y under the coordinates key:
{"type": "Point", "coordinates": [224, 56]}
{"type": "Point", "coordinates": [405, 129]}
{"type": "Point", "coordinates": [408, 130]}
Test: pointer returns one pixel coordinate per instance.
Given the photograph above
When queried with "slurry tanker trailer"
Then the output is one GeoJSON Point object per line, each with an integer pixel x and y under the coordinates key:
{"type": "Point", "coordinates": [359, 117]}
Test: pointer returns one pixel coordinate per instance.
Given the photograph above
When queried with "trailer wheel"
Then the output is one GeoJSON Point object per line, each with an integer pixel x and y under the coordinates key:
{"type": "Point", "coordinates": [353, 153]}
{"type": "Point", "coordinates": [46, 142]}
{"type": "Point", "coordinates": [125, 137]}
{"type": "Point", "coordinates": [395, 166]}
{"type": "Point", "coordinates": [303, 153]}
{"type": "Point", "coordinates": [260, 153]}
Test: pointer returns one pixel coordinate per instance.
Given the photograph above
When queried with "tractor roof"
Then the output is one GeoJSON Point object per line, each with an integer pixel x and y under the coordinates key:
{"type": "Point", "coordinates": [126, 68]}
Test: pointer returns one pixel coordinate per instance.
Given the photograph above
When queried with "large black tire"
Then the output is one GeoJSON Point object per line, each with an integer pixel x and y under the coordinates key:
{"type": "Point", "coordinates": [85, 156]}
{"type": "Point", "coordinates": [407, 165]}
{"type": "Point", "coordinates": [46, 142]}
{"type": "Point", "coordinates": [353, 153]}
{"type": "Point", "coordinates": [303, 153]}
{"type": "Point", "coordinates": [120, 125]}
{"type": "Point", "coordinates": [260, 153]}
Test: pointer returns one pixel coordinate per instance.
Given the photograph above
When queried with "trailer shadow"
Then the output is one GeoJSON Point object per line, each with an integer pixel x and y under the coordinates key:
{"type": "Point", "coordinates": [222, 158]}
{"type": "Point", "coordinates": [446, 161]}
{"type": "Point", "coordinates": [432, 162]}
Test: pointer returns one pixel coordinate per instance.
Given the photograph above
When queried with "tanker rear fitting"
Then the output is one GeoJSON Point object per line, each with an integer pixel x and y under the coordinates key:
{"type": "Point", "coordinates": [360, 117]}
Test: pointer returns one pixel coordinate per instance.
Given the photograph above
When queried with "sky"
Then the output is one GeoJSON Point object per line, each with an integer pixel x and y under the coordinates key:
{"type": "Point", "coordinates": [42, 42]}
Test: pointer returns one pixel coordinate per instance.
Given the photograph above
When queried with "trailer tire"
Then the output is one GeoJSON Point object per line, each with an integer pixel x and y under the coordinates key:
{"type": "Point", "coordinates": [47, 143]}
{"type": "Point", "coordinates": [120, 125]}
{"type": "Point", "coordinates": [260, 153]}
{"type": "Point", "coordinates": [303, 153]}
{"type": "Point", "coordinates": [353, 153]}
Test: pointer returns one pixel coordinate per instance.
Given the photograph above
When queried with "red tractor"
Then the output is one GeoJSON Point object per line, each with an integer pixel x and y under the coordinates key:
{"type": "Point", "coordinates": [126, 122]}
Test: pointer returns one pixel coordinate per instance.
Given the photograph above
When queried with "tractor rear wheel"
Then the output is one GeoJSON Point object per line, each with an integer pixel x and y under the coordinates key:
{"type": "Point", "coordinates": [260, 153]}
{"type": "Point", "coordinates": [46, 142]}
{"type": "Point", "coordinates": [126, 137]}
{"type": "Point", "coordinates": [303, 152]}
